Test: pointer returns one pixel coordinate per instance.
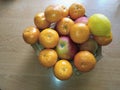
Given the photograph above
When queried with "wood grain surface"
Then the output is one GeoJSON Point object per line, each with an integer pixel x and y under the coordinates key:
{"type": "Point", "coordinates": [19, 66]}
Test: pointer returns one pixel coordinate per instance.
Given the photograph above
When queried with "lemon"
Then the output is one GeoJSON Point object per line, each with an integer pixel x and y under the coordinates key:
{"type": "Point", "coordinates": [99, 25]}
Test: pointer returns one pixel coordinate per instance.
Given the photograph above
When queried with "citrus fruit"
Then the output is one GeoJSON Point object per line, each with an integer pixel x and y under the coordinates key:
{"type": "Point", "coordinates": [76, 10]}
{"type": "Point", "coordinates": [49, 38]}
{"type": "Point", "coordinates": [90, 45]}
{"type": "Point", "coordinates": [31, 35]}
{"type": "Point", "coordinates": [84, 61]}
{"type": "Point", "coordinates": [64, 25]}
{"type": "Point", "coordinates": [53, 13]}
{"type": "Point", "coordinates": [65, 11]}
{"type": "Point", "coordinates": [40, 21]}
{"type": "Point", "coordinates": [103, 40]}
{"type": "Point", "coordinates": [48, 57]}
{"type": "Point", "coordinates": [79, 33]}
{"type": "Point", "coordinates": [63, 70]}
{"type": "Point", "coordinates": [99, 25]}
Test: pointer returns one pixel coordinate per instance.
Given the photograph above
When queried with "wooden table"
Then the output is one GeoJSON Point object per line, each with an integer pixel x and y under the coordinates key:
{"type": "Point", "coordinates": [19, 66]}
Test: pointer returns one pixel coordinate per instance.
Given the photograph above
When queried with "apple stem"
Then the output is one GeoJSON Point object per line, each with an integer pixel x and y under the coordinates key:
{"type": "Point", "coordinates": [37, 47]}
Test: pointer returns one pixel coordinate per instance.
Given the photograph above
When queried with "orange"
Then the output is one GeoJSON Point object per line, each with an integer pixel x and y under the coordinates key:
{"type": "Point", "coordinates": [48, 57]}
{"type": "Point", "coordinates": [63, 70]}
{"type": "Point", "coordinates": [79, 33]}
{"type": "Point", "coordinates": [31, 35]}
{"type": "Point", "coordinates": [53, 13]}
{"type": "Point", "coordinates": [84, 61]}
{"type": "Point", "coordinates": [49, 38]}
{"type": "Point", "coordinates": [40, 21]}
{"type": "Point", "coordinates": [64, 25]}
{"type": "Point", "coordinates": [65, 11]}
{"type": "Point", "coordinates": [76, 10]}
{"type": "Point", "coordinates": [103, 40]}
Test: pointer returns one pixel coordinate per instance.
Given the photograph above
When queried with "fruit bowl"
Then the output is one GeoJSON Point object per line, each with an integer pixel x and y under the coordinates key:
{"type": "Point", "coordinates": [67, 40]}
{"type": "Point", "coordinates": [38, 47]}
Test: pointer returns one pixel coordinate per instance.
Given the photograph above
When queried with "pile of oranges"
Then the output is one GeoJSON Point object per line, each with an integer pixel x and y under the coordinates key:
{"type": "Point", "coordinates": [55, 22]}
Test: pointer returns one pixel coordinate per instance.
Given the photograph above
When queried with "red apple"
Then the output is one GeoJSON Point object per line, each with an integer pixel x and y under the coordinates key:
{"type": "Point", "coordinates": [82, 20]}
{"type": "Point", "coordinates": [66, 49]}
